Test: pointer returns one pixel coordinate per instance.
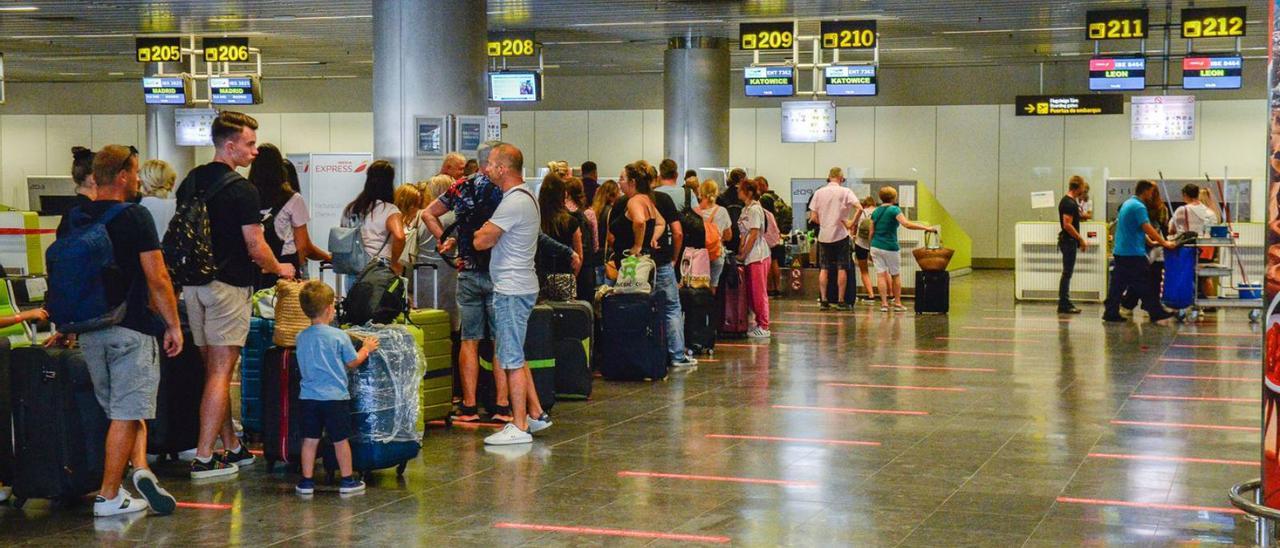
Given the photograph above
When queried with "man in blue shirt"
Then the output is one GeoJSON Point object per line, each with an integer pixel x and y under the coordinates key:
{"type": "Point", "coordinates": [1130, 274]}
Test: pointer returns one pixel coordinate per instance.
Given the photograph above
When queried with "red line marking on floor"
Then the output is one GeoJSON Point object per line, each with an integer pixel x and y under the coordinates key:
{"type": "Point", "coordinates": [850, 410]}
{"type": "Point", "coordinates": [1202, 378]}
{"type": "Point", "coordinates": [742, 345]}
{"type": "Point", "coordinates": [1215, 347]}
{"type": "Point", "coordinates": [256, 452]}
{"type": "Point", "coordinates": [608, 532]}
{"type": "Point", "coordinates": [776, 322]}
{"type": "Point", "coordinates": [896, 387]}
{"type": "Point", "coordinates": [1219, 362]}
{"type": "Point", "coordinates": [1153, 505]}
{"type": "Point", "coordinates": [1038, 329]}
{"type": "Point", "coordinates": [928, 368]}
{"type": "Point", "coordinates": [964, 353]}
{"type": "Point", "coordinates": [706, 360]}
{"type": "Point", "coordinates": [838, 314]}
{"type": "Point", "coordinates": [204, 506]}
{"type": "Point", "coordinates": [495, 425]}
{"type": "Point", "coordinates": [981, 339]}
{"type": "Point", "coordinates": [1192, 398]}
{"type": "Point", "coordinates": [1187, 425]}
{"type": "Point", "coordinates": [1162, 458]}
{"type": "Point", "coordinates": [697, 477]}
{"type": "Point", "coordinates": [1045, 319]}
{"type": "Point", "coordinates": [1223, 335]}
{"type": "Point", "coordinates": [795, 440]}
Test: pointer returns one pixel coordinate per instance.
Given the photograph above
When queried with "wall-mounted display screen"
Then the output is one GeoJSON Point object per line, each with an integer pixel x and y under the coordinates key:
{"type": "Point", "coordinates": [1212, 71]}
{"type": "Point", "coordinates": [234, 90]}
{"type": "Point", "coordinates": [848, 81]}
{"type": "Point", "coordinates": [1117, 73]}
{"type": "Point", "coordinates": [522, 86]}
{"type": "Point", "coordinates": [166, 91]}
{"type": "Point", "coordinates": [808, 122]}
{"type": "Point", "coordinates": [193, 127]}
{"type": "Point", "coordinates": [770, 81]}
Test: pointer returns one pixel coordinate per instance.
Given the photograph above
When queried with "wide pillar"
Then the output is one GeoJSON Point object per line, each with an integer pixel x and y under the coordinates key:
{"type": "Point", "coordinates": [696, 101]}
{"type": "Point", "coordinates": [162, 140]}
{"type": "Point", "coordinates": [428, 60]}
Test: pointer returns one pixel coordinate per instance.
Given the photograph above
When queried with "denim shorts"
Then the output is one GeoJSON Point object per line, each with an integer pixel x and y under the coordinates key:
{"type": "Point", "coordinates": [475, 305]}
{"type": "Point", "coordinates": [511, 317]}
{"type": "Point", "coordinates": [125, 367]}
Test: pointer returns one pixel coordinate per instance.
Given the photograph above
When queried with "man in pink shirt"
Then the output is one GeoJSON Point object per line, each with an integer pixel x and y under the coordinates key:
{"type": "Point", "coordinates": [832, 207]}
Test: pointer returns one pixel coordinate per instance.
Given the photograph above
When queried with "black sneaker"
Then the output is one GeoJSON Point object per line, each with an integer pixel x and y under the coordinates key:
{"type": "Point", "coordinates": [1113, 318]}
{"type": "Point", "coordinates": [1069, 309]}
{"type": "Point", "coordinates": [240, 457]}
{"type": "Point", "coordinates": [824, 305]}
{"type": "Point", "coordinates": [212, 469]}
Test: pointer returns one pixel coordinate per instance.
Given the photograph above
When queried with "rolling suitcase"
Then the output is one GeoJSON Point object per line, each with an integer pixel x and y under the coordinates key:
{"type": "Point", "coordinates": [933, 292]}
{"type": "Point", "coordinates": [734, 316]}
{"type": "Point", "coordinates": [434, 285]}
{"type": "Point", "coordinates": [386, 431]}
{"type": "Point", "coordinates": [436, 393]}
{"type": "Point", "coordinates": [251, 360]}
{"type": "Point", "coordinates": [281, 425]}
{"type": "Point", "coordinates": [632, 344]}
{"type": "Point", "coordinates": [850, 296]}
{"type": "Point", "coordinates": [6, 417]}
{"type": "Point", "coordinates": [700, 323]}
{"type": "Point", "coordinates": [59, 430]}
{"type": "Point", "coordinates": [539, 353]}
{"type": "Point", "coordinates": [572, 324]}
{"type": "Point", "coordinates": [176, 427]}
{"type": "Point", "coordinates": [1179, 288]}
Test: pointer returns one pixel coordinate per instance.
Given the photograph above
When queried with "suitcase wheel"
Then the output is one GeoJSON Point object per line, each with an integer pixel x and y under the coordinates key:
{"type": "Point", "coordinates": [400, 468]}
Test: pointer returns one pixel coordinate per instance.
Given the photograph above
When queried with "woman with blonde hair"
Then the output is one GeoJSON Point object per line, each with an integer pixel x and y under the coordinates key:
{"type": "Point", "coordinates": [602, 206]}
{"type": "Point", "coordinates": [886, 254]}
{"type": "Point", "coordinates": [707, 208]}
{"type": "Point", "coordinates": [862, 246]}
{"type": "Point", "coordinates": [157, 178]}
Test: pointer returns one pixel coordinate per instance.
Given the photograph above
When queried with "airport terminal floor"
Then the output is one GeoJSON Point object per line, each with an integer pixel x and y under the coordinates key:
{"type": "Point", "coordinates": [1002, 424]}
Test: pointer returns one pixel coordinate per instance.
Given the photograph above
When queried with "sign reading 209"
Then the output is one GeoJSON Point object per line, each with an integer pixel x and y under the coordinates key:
{"type": "Point", "coordinates": [765, 36]}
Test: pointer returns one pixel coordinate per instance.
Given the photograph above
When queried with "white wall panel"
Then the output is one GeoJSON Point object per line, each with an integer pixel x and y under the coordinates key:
{"type": "Point", "coordinates": [304, 132]}
{"type": "Point", "coordinates": [1175, 158]}
{"type": "Point", "coordinates": [654, 137]}
{"type": "Point", "coordinates": [350, 132]}
{"type": "Point", "coordinates": [61, 133]}
{"type": "Point", "coordinates": [118, 129]}
{"type": "Point", "coordinates": [777, 161]}
{"type": "Point", "coordinates": [23, 154]}
{"type": "Point", "coordinates": [562, 135]}
{"type": "Point", "coordinates": [615, 139]}
{"type": "Point", "coordinates": [855, 146]}
{"type": "Point", "coordinates": [519, 129]}
{"type": "Point", "coordinates": [1232, 133]}
{"type": "Point", "coordinates": [969, 170]}
{"type": "Point", "coordinates": [1030, 161]}
{"type": "Point", "coordinates": [906, 143]}
{"type": "Point", "coordinates": [742, 138]}
{"type": "Point", "coordinates": [1094, 146]}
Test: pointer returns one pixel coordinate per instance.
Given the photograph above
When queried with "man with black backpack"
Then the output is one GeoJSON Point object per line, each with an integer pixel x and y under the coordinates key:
{"type": "Point", "coordinates": [106, 276]}
{"type": "Point", "coordinates": [217, 266]}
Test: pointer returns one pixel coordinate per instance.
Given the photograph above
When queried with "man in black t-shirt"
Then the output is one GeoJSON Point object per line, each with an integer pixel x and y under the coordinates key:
{"type": "Point", "coordinates": [1070, 240]}
{"type": "Point", "coordinates": [123, 359]}
{"type": "Point", "coordinates": [665, 288]}
{"type": "Point", "coordinates": [219, 311]}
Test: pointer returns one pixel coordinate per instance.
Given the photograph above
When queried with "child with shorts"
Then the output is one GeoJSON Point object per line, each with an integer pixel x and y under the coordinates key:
{"type": "Point", "coordinates": [325, 353]}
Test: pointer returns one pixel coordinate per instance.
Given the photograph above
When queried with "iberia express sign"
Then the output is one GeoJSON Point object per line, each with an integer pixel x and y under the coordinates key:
{"type": "Point", "coordinates": [1069, 105]}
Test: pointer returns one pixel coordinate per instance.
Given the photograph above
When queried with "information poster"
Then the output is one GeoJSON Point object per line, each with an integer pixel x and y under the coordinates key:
{"type": "Point", "coordinates": [1163, 118]}
{"type": "Point", "coordinates": [1271, 341]}
{"type": "Point", "coordinates": [1042, 200]}
{"type": "Point", "coordinates": [493, 124]}
{"type": "Point", "coordinates": [333, 180]}
{"type": "Point", "coordinates": [808, 122]}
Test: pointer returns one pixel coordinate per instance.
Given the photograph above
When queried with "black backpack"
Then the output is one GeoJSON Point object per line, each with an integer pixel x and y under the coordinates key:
{"type": "Point", "coordinates": [188, 243]}
{"type": "Point", "coordinates": [695, 231]}
{"type": "Point", "coordinates": [735, 236]}
{"type": "Point", "coordinates": [378, 295]}
{"type": "Point", "coordinates": [269, 231]}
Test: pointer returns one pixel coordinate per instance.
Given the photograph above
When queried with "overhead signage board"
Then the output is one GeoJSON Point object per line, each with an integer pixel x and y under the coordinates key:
{"type": "Point", "coordinates": [850, 80]}
{"type": "Point", "coordinates": [1212, 72]}
{"type": "Point", "coordinates": [157, 49]}
{"type": "Point", "coordinates": [515, 86]}
{"type": "Point", "coordinates": [1163, 118]}
{"type": "Point", "coordinates": [1069, 105]}
{"type": "Point", "coordinates": [849, 34]}
{"type": "Point", "coordinates": [1226, 22]}
{"type": "Point", "coordinates": [234, 90]}
{"type": "Point", "coordinates": [510, 44]}
{"type": "Point", "coordinates": [770, 81]}
{"type": "Point", "coordinates": [766, 36]}
{"type": "Point", "coordinates": [1116, 24]}
{"type": "Point", "coordinates": [174, 90]}
{"type": "Point", "coordinates": [225, 49]}
{"type": "Point", "coordinates": [1117, 73]}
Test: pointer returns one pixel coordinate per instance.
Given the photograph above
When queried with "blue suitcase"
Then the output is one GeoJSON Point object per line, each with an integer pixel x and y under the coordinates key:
{"type": "Point", "coordinates": [251, 359]}
{"type": "Point", "coordinates": [1179, 288]}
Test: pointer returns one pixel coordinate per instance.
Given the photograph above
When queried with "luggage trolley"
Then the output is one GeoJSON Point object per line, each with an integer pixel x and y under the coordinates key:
{"type": "Point", "coordinates": [1250, 294]}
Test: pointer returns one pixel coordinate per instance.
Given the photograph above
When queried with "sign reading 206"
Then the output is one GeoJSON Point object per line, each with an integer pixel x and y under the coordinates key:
{"type": "Point", "coordinates": [226, 50]}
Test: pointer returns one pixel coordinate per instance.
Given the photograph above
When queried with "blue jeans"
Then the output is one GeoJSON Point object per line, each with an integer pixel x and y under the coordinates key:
{"type": "Point", "coordinates": [511, 318]}
{"type": "Point", "coordinates": [668, 295]}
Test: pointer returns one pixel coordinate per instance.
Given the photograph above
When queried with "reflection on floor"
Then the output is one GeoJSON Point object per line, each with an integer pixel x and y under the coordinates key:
{"type": "Point", "coordinates": [1001, 424]}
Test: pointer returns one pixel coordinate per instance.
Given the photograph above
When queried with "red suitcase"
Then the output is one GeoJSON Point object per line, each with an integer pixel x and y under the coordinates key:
{"type": "Point", "coordinates": [734, 316]}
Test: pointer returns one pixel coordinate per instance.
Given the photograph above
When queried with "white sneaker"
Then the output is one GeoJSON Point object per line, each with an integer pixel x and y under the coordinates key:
{"type": "Point", "coordinates": [757, 333]}
{"type": "Point", "coordinates": [122, 504]}
{"type": "Point", "coordinates": [149, 487]}
{"type": "Point", "coordinates": [539, 424]}
{"type": "Point", "coordinates": [4, 493]}
{"type": "Point", "coordinates": [509, 435]}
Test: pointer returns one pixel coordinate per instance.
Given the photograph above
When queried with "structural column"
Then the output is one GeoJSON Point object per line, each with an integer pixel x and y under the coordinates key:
{"type": "Point", "coordinates": [696, 89]}
{"type": "Point", "coordinates": [428, 60]}
{"type": "Point", "coordinates": [162, 137]}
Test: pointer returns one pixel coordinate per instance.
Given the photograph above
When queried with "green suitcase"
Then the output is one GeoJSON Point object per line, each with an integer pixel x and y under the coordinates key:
{"type": "Point", "coordinates": [436, 394]}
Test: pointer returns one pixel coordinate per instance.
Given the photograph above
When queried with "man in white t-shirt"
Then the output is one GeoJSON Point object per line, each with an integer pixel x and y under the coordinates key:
{"type": "Point", "coordinates": [832, 207]}
{"type": "Point", "coordinates": [512, 233]}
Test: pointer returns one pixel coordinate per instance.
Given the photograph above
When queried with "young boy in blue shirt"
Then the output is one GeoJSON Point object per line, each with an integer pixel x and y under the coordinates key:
{"type": "Point", "coordinates": [325, 353]}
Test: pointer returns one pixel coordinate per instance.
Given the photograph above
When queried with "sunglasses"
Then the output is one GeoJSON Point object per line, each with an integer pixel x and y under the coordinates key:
{"type": "Point", "coordinates": [133, 153]}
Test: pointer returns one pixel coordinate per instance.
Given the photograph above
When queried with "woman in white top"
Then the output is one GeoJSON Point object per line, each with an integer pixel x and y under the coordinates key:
{"type": "Point", "coordinates": [284, 213]}
{"type": "Point", "coordinates": [1194, 216]}
{"type": "Point", "coordinates": [157, 178]}
{"type": "Point", "coordinates": [755, 256]}
{"type": "Point", "coordinates": [719, 216]}
{"type": "Point", "coordinates": [381, 227]}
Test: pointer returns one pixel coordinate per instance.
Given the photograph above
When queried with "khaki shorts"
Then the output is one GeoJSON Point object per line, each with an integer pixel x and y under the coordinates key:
{"type": "Point", "coordinates": [218, 314]}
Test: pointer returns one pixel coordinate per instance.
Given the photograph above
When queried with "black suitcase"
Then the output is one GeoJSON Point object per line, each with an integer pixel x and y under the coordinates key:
{"type": "Point", "coordinates": [632, 344]}
{"type": "Point", "coordinates": [176, 427]}
{"type": "Point", "coordinates": [572, 324]}
{"type": "Point", "coordinates": [700, 319]}
{"type": "Point", "coordinates": [6, 417]}
{"type": "Point", "coordinates": [59, 430]}
{"type": "Point", "coordinates": [933, 292]}
{"type": "Point", "coordinates": [281, 424]}
{"type": "Point", "coordinates": [850, 296]}
{"type": "Point", "coordinates": [539, 353]}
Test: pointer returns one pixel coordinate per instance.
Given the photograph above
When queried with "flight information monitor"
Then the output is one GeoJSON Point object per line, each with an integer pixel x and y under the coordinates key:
{"type": "Point", "coordinates": [233, 90]}
{"type": "Point", "coordinates": [1117, 73]}
{"type": "Point", "coordinates": [849, 81]}
{"type": "Point", "coordinates": [166, 91]}
{"type": "Point", "coordinates": [1212, 71]}
{"type": "Point", "coordinates": [515, 86]}
{"type": "Point", "coordinates": [770, 81]}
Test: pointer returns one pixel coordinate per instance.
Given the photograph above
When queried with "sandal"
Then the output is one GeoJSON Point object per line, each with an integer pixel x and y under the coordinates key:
{"type": "Point", "coordinates": [502, 414]}
{"type": "Point", "coordinates": [466, 413]}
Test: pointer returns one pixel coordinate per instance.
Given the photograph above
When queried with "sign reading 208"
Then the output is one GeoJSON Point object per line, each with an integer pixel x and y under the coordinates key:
{"type": "Point", "coordinates": [762, 36]}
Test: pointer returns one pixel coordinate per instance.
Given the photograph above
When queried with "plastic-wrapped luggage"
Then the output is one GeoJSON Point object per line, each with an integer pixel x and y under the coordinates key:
{"type": "Point", "coordinates": [385, 398]}
{"type": "Point", "coordinates": [251, 362]}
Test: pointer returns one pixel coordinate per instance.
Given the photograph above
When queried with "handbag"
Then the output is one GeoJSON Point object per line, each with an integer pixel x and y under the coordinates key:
{"type": "Point", "coordinates": [290, 319]}
{"type": "Point", "coordinates": [695, 268]}
{"type": "Point", "coordinates": [346, 245]}
{"type": "Point", "coordinates": [561, 287]}
{"type": "Point", "coordinates": [635, 273]}
{"type": "Point", "coordinates": [409, 256]}
{"type": "Point", "coordinates": [933, 257]}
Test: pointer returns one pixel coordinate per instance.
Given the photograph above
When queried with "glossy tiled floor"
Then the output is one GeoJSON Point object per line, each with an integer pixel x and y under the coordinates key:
{"type": "Point", "coordinates": [1000, 424]}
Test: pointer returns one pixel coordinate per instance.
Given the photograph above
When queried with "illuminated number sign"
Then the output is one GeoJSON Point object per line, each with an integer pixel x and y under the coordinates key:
{"type": "Point", "coordinates": [1069, 105]}
{"type": "Point", "coordinates": [762, 36]}
{"type": "Point", "coordinates": [1213, 22]}
{"type": "Point", "coordinates": [1116, 24]}
{"type": "Point", "coordinates": [158, 49]}
{"type": "Point", "coordinates": [510, 45]}
{"type": "Point", "coordinates": [848, 34]}
{"type": "Point", "coordinates": [226, 50]}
